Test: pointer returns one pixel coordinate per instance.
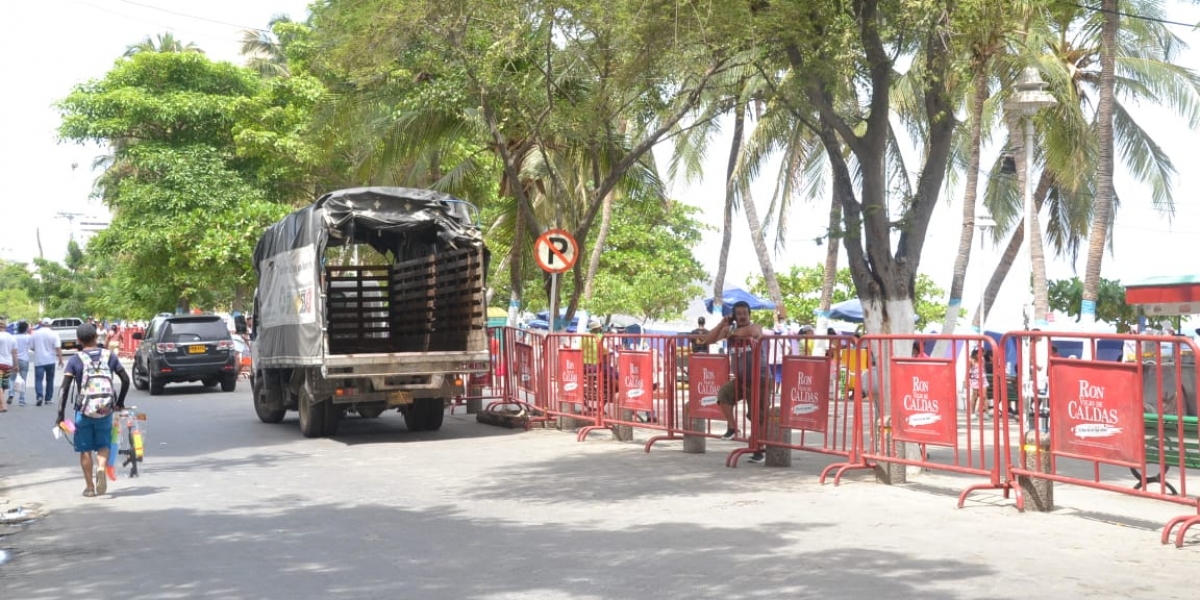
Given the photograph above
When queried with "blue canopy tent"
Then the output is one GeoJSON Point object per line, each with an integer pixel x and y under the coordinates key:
{"type": "Point", "coordinates": [850, 311]}
{"type": "Point", "coordinates": [732, 296]}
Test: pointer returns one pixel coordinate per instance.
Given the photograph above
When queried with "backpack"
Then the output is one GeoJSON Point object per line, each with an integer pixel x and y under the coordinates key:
{"type": "Point", "coordinates": [96, 396]}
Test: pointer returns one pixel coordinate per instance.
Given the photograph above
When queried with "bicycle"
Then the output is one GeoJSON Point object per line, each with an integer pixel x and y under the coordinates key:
{"type": "Point", "coordinates": [128, 437]}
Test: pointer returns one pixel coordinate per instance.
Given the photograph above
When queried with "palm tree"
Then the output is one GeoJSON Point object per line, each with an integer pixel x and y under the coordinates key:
{"type": "Point", "coordinates": [163, 42]}
{"type": "Point", "coordinates": [1145, 73]}
{"type": "Point", "coordinates": [263, 50]}
{"type": "Point", "coordinates": [1103, 206]}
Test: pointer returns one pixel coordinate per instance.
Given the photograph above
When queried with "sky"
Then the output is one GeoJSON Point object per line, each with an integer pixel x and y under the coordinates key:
{"type": "Point", "coordinates": [54, 45]}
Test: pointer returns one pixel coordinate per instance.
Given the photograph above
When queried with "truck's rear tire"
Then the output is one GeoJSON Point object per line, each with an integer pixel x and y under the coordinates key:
{"type": "Point", "coordinates": [425, 414]}
{"type": "Point", "coordinates": [333, 417]}
{"type": "Point", "coordinates": [266, 411]}
{"type": "Point", "coordinates": [312, 415]}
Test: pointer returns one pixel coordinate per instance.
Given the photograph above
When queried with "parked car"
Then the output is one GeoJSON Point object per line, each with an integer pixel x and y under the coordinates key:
{"type": "Point", "coordinates": [185, 348]}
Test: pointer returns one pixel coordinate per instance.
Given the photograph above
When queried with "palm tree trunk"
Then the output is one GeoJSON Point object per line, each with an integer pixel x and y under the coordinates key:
{"type": "Point", "coordinates": [1041, 301]}
{"type": "Point", "coordinates": [735, 150]}
{"type": "Point", "coordinates": [756, 233]}
{"type": "Point", "coordinates": [1102, 205]}
{"type": "Point", "coordinates": [1012, 249]}
{"type": "Point", "coordinates": [598, 247]}
{"type": "Point", "coordinates": [967, 232]}
{"type": "Point", "coordinates": [515, 274]}
{"type": "Point", "coordinates": [832, 241]}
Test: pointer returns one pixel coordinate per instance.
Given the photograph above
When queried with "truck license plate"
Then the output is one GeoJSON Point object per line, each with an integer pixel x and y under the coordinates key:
{"type": "Point", "coordinates": [400, 397]}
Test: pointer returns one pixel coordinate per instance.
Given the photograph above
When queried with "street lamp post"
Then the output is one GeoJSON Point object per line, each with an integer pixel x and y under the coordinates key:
{"type": "Point", "coordinates": [984, 223]}
{"type": "Point", "coordinates": [1030, 97]}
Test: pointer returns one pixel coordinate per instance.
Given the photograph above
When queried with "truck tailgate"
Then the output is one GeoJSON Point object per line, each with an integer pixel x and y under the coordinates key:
{"type": "Point", "coordinates": [405, 363]}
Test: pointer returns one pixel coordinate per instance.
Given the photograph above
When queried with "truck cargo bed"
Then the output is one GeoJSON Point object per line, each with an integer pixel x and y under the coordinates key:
{"type": "Point", "coordinates": [429, 304]}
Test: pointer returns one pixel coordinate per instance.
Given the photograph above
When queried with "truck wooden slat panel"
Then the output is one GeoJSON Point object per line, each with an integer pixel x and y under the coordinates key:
{"type": "Point", "coordinates": [428, 303]}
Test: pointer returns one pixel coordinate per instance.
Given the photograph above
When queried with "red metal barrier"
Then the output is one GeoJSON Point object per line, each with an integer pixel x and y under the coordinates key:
{"type": "Point", "coordinates": [809, 395]}
{"type": "Point", "coordinates": [913, 401]}
{"type": "Point", "coordinates": [1098, 415]}
{"type": "Point", "coordinates": [635, 384]}
{"type": "Point", "coordinates": [522, 373]}
{"type": "Point", "coordinates": [127, 345]}
{"type": "Point", "coordinates": [489, 384]}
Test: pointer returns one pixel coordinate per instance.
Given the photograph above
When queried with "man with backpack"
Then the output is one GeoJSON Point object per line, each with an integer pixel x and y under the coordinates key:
{"type": "Point", "coordinates": [89, 375]}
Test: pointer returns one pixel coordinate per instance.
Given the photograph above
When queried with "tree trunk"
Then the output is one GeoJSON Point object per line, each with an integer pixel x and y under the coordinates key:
{"type": "Point", "coordinates": [598, 248]}
{"type": "Point", "coordinates": [967, 232]}
{"type": "Point", "coordinates": [1103, 203]}
{"type": "Point", "coordinates": [756, 233]}
{"type": "Point", "coordinates": [1013, 248]}
{"type": "Point", "coordinates": [829, 276]}
{"type": "Point", "coordinates": [735, 150]}
{"type": "Point", "coordinates": [515, 264]}
{"type": "Point", "coordinates": [1040, 309]}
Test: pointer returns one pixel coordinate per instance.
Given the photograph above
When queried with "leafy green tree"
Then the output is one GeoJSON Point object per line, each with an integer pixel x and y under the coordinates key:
{"type": "Point", "coordinates": [648, 267]}
{"type": "Point", "coordinates": [1066, 296]}
{"type": "Point", "coordinates": [187, 208]}
{"type": "Point", "coordinates": [565, 98]}
{"type": "Point", "coordinates": [17, 291]}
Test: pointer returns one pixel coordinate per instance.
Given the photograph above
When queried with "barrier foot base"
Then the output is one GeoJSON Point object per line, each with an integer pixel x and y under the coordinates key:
{"type": "Point", "coordinates": [962, 498]}
{"type": "Point", "coordinates": [1184, 523]}
{"type": "Point", "coordinates": [841, 469]}
{"type": "Point", "coordinates": [583, 433]}
{"type": "Point", "coordinates": [661, 438]}
{"type": "Point", "coordinates": [732, 459]}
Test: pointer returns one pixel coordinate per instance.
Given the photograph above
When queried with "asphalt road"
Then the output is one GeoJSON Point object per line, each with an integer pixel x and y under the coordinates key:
{"type": "Point", "coordinates": [227, 507]}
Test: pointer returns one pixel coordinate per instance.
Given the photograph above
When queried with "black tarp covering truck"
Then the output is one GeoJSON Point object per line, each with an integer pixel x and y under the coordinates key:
{"type": "Point", "coordinates": [369, 299]}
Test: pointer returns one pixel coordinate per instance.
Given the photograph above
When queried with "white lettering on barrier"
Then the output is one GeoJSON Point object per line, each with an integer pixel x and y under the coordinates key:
{"type": "Point", "coordinates": [707, 387]}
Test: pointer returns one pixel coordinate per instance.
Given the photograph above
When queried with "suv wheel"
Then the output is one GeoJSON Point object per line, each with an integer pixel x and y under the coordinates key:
{"type": "Point", "coordinates": [229, 383]}
{"type": "Point", "coordinates": [139, 380]}
{"type": "Point", "coordinates": [156, 384]}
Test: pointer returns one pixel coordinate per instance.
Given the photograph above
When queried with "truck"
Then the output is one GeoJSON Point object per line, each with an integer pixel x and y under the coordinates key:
{"type": "Point", "coordinates": [369, 299]}
{"type": "Point", "coordinates": [65, 328]}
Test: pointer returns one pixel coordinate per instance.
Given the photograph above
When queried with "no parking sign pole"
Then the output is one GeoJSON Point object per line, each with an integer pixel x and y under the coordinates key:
{"type": "Point", "coordinates": [555, 251]}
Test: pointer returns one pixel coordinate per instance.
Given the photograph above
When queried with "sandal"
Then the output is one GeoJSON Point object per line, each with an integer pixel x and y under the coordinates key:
{"type": "Point", "coordinates": [89, 493]}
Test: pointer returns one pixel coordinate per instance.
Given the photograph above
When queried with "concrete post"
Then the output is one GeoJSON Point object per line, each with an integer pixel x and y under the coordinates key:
{"type": "Point", "coordinates": [474, 402]}
{"type": "Point", "coordinates": [776, 432]}
{"type": "Point", "coordinates": [1039, 493]}
{"type": "Point", "coordinates": [695, 444]}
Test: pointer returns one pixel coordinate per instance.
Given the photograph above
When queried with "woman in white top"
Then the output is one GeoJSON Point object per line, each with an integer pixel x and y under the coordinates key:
{"type": "Point", "coordinates": [23, 345]}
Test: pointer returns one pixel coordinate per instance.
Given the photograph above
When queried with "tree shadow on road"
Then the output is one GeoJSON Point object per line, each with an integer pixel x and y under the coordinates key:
{"type": "Point", "coordinates": [378, 551]}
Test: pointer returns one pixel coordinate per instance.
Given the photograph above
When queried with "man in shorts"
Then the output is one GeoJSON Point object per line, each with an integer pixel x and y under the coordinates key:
{"type": "Point", "coordinates": [91, 435]}
{"type": "Point", "coordinates": [743, 335]}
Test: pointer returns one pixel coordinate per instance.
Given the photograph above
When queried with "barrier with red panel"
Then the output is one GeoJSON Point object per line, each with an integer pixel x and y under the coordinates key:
{"type": "Point", "coordinates": [485, 385]}
{"type": "Point", "coordinates": [636, 385]}
{"type": "Point", "coordinates": [809, 397]}
{"type": "Point", "coordinates": [1097, 418]}
{"type": "Point", "coordinates": [128, 345]}
{"type": "Point", "coordinates": [912, 405]}
{"type": "Point", "coordinates": [522, 360]}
